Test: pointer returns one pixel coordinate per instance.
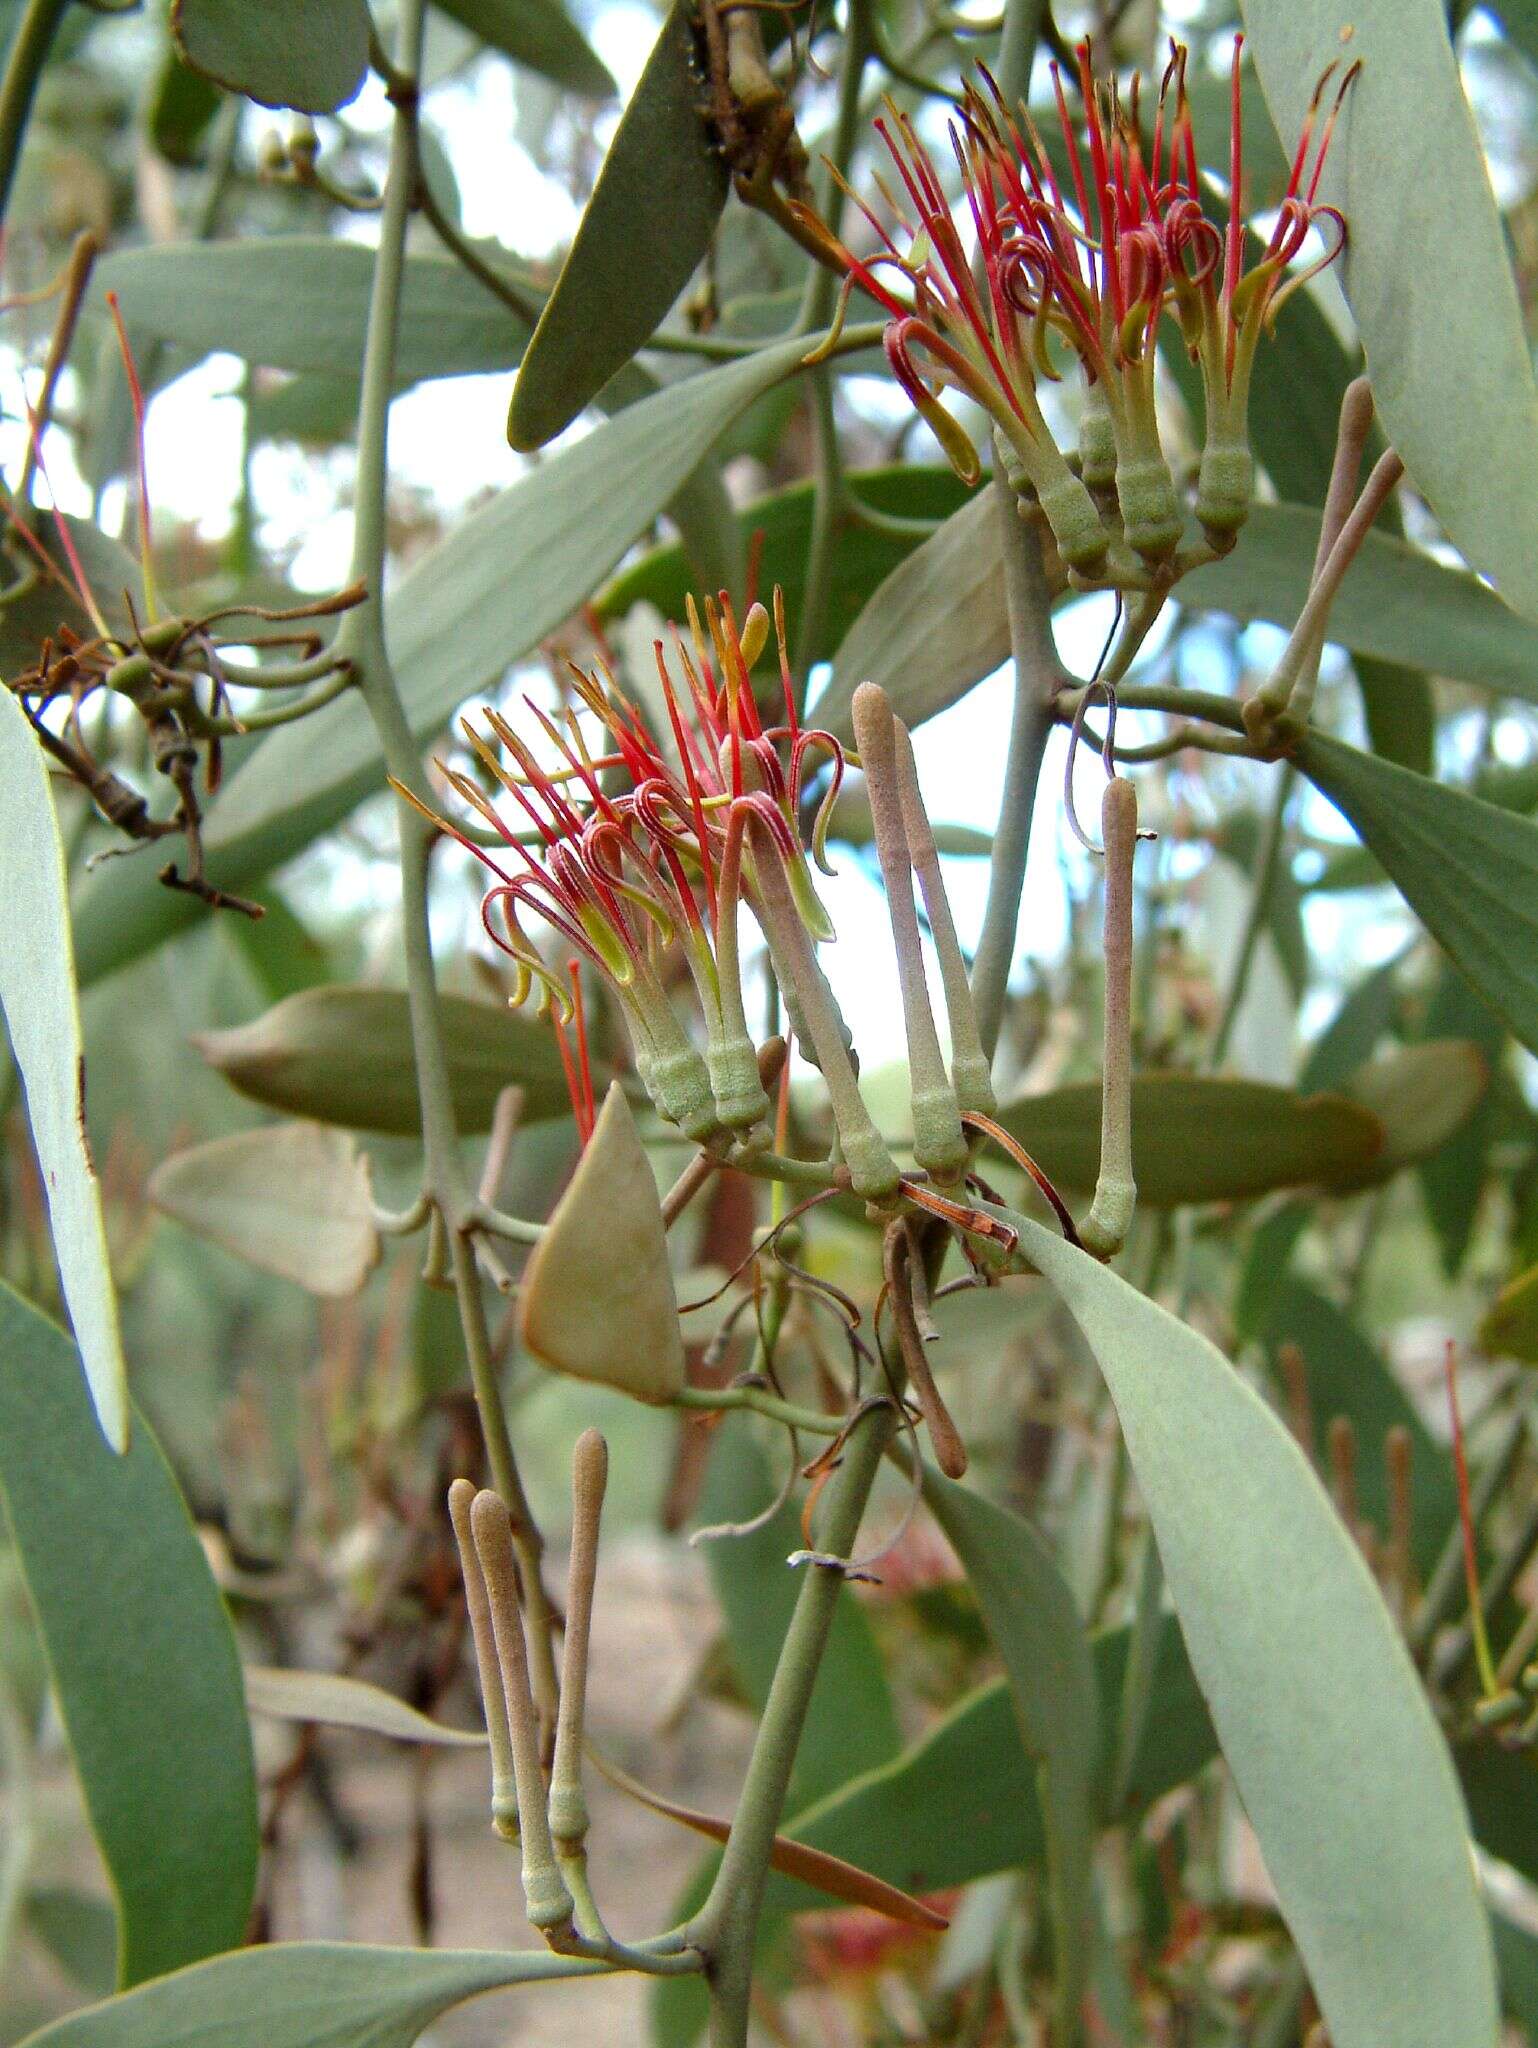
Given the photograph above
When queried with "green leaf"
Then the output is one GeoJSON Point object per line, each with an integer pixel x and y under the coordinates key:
{"type": "Point", "coordinates": [1396, 602]}
{"type": "Point", "coordinates": [37, 996]}
{"type": "Point", "coordinates": [285, 53]}
{"type": "Point", "coordinates": [342, 1702]}
{"type": "Point", "coordinates": [1270, 1137]}
{"type": "Point", "coordinates": [281, 952]}
{"type": "Point", "coordinates": [1450, 364]}
{"type": "Point", "coordinates": [290, 1199]}
{"type": "Point", "coordinates": [342, 1055]}
{"type": "Point", "coordinates": [936, 626]}
{"type": "Point", "coordinates": [647, 227]}
{"type": "Point", "coordinates": [1346, 1376]}
{"type": "Point", "coordinates": [1400, 711]}
{"type": "Point", "coordinates": [1323, 1722]}
{"type": "Point", "coordinates": [936, 1812]}
{"type": "Point", "coordinates": [300, 302]}
{"type": "Point", "coordinates": [141, 1655]}
{"type": "Point", "coordinates": [1037, 1630]}
{"type": "Point", "coordinates": [304, 1994]}
{"type": "Point", "coordinates": [39, 610]}
{"type": "Point", "coordinates": [507, 576]}
{"type": "Point", "coordinates": [783, 519]}
{"type": "Point", "coordinates": [538, 34]}
{"type": "Point", "coordinates": [597, 1294]}
{"type": "Point", "coordinates": [182, 104]}
{"type": "Point", "coordinates": [851, 1725]}
{"type": "Point", "coordinates": [1238, 838]}
{"type": "Point", "coordinates": [1468, 869]}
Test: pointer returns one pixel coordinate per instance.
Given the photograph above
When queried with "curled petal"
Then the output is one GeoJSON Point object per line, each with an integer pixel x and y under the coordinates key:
{"type": "Point", "coordinates": [951, 436]}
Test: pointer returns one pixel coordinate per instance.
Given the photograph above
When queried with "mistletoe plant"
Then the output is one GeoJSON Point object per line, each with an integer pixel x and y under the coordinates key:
{"type": "Point", "coordinates": [1204, 1710]}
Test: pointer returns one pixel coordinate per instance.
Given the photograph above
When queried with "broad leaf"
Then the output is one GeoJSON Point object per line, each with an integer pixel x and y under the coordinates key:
{"type": "Point", "coordinates": [1320, 1713]}
{"type": "Point", "coordinates": [508, 575]}
{"type": "Point", "coordinates": [300, 302]}
{"type": "Point", "coordinates": [1468, 869]}
{"type": "Point", "coordinates": [539, 34]}
{"type": "Point", "coordinates": [597, 1296]}
{"type": "Point", "coordinates": [647, 226]}
{"type": "Point", "coordinates": [1037, 1630]}
{"type": "Point", "coordinates": [37, 995]}
{"type": "Point", "coordinates": [342, 1702]}
{"type": "Point", "coordinates": [936, 626]}
{"type": "Point", "coordinates": [1270, 1137]}
{"type": "Point", "coordinates": [1453, 1178]}
{"type": "Point", "coordinates": [285, 53]}
{"type": "Point", "coordinates": [292, 1199]}
{"type": "Point", "coordinates": [1446, 348]}
{"type": "Point", "coordinates": [342, 1055]}
{"type": "Point", "coordinates": [182, 104]}
{"type": "Point", "coordinates": [141, 1654]}
{"type": "Point", "coordinates": [304, 1994]}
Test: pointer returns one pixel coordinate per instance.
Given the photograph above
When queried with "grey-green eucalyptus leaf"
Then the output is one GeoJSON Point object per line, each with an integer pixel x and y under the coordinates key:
{"type": "Point", "coordinates": [1322, 1718]}
{"type": "Point", "coordinates": [647, 226]}
{"type": "Point", "coordinates": [1467, 868]}
{"type": "Point", "coordinates": [304, 1994]}
{"type": "Point", "coordinates": [285, 53]}
{"type": "Point", "coordinates": [1425, 267]}
{"type": "Point", "coordinates": [141, 1655]}
{"type": "Point", "coordinates": [37, 996]}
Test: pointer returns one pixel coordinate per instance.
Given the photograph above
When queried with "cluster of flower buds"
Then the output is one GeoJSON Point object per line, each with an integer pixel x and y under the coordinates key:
{"type": "Point", "coordinates": [636, 854]}
{"type": "Point", "coordinates": [1094, 262]}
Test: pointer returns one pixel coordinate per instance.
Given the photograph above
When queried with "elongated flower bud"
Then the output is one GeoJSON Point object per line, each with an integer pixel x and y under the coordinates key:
{"type": "Point", "coordinates": [1104, 1230]}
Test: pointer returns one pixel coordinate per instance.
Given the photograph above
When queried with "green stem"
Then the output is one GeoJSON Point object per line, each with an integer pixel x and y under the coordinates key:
{"type": "Point", "coordinates": [1039, 675]}
{"type": "Point", "coordinates": [23, 68]}
{"type": "Point", "coordinates": [362, 640]}
{"type": "Point", "coordinates": [759, 1403]}
{"type": "Point", "coordinates": [727, 1926]}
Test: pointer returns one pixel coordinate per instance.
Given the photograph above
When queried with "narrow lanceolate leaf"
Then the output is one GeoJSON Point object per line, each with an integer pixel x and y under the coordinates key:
{"type": "Point", "coordinates": [1271, 1137]}
{"type": "Point", "coordinates": [141, 1655]}
{"type": "Point", "coordinates": [508, 575]}
{"type": "Point", "coordinates": [37, 995]}
{"type": "Point", "coordinates": [597, 1298]}
{"type": "Point", "coordinates": [1468, 869]}
{"type": "Point", "coordinates": [1037, 1630]}
{"type": "Point", "coordinates": [647, 226]}
{"type": "Point", "coordinates": [1396, 604]}
{"type": "Point", "coordinates": [342, 1055]}
{"type": "Point", "coordinates": [936, 626]}
{"type": "Point", "coordinates": [1449, 360]}
{"type": "Point", "coordinates": [539, 34]}
{"type": "Point", "coordinates": [291, 1199]}
{"type": "Point", "coordinates": [1321, 1716]}
{"type": "Point", "coordinates": [300, 302]}
{"type": "Point", "coordinates": [285, 53]}
{"type": "Point", "coordinates": [341, 1702]}
{"type": "Point", "coordinates": [305, 1994]}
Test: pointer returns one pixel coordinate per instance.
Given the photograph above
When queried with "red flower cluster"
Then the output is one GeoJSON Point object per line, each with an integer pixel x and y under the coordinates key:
{"type": "Point", "coordinates": [1092, 251]}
